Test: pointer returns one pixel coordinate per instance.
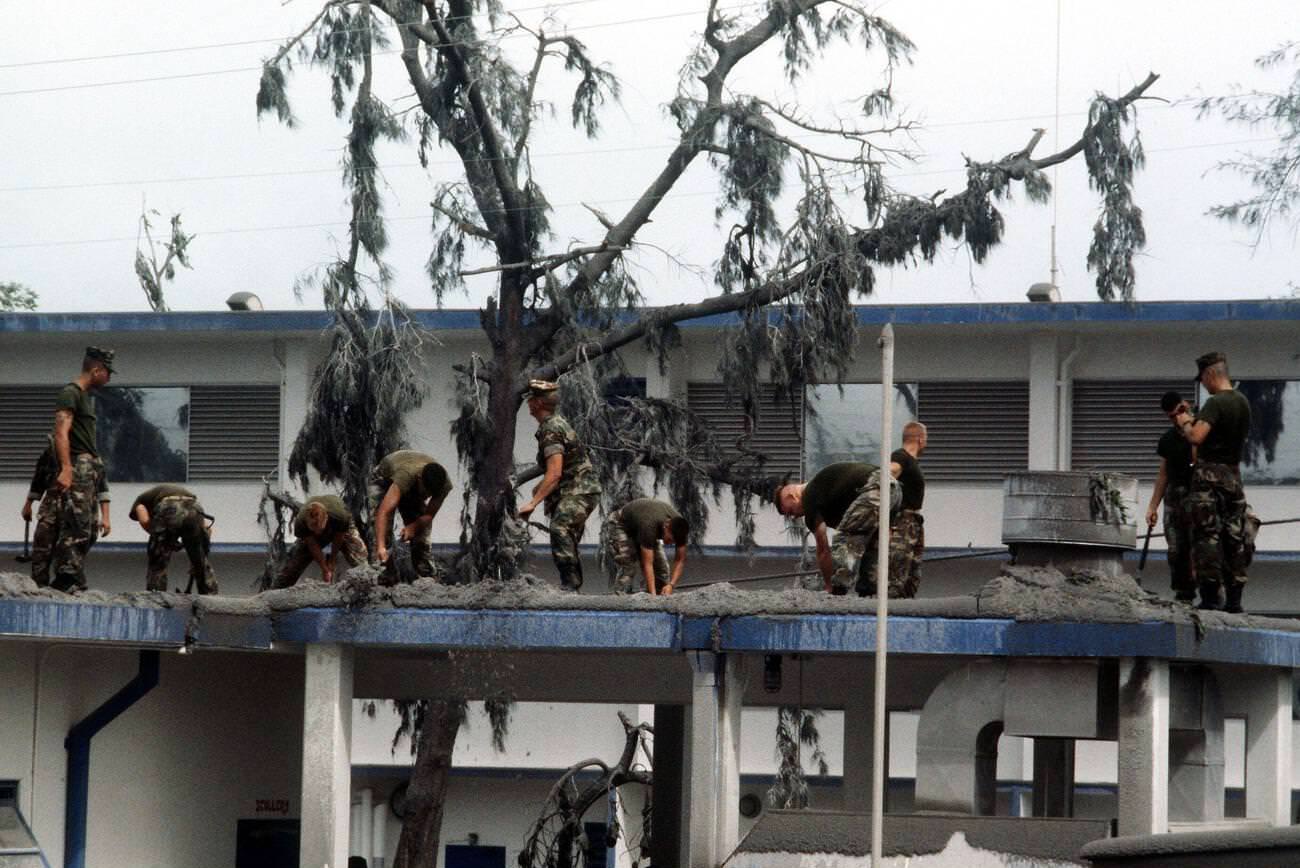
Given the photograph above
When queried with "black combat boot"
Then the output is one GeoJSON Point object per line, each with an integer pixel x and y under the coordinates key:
{"type": "Point", "coordinates": [1210, 597]}
{"type": "Point", "coordinates": [570, 577]}
{"type": "Point", "coordinates": [1233, 603]}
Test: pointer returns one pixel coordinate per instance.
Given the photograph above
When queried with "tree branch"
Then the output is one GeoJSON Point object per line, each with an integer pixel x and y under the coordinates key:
{"type": "Point", "coordinates": [553, 261]}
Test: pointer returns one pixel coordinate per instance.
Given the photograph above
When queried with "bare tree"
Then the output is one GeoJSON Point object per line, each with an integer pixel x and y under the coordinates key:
{"type": "Point", "coordinates": [567, 310]}
{"type": "Point", "coordinates": [557, 838]}
{"type": "Point", "coordinates": [156, 260]}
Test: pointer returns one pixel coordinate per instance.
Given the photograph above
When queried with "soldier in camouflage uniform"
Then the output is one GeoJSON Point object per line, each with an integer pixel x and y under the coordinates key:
{"type": "Point", "coordinates": [324, 520]}
{"type": "Point", "coordinates": [569, 487]}
{"type": "Point", "coordinates": [67, 513]}
{"type": "Point", "coordinates": [906, 524]}
{"type": "Point", "coordinates": [47, 527]}
{"type": "Point", "coordinates": [174, 519]}
{"type": "Point", "coordinates": [1173, 485]}
{"type": "Point", "coordinates": [845, 497]}
{"type": "Point", "coordinates": [414, 486]}
{"type": "Point", "coordinates": [634, 539]}
{"type": "Point", "coordinates": [1221, 543]}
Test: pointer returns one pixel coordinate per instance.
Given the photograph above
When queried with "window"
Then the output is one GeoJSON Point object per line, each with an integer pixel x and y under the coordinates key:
{"type": "Point", "coordinates": [1116, 424]}
{"type": "Point", "coordinates": [154, 433]}
{"type": "Point", "coordinates": [624, 387]}
{"type": "Point", "coordinates": [775, 433]}
{"type": "Point", "coordinates": [844, 424]}
{"type": "Point", "coordinates": [978, 429]}
{"type": "Point", "coordinates": [1272, 454]}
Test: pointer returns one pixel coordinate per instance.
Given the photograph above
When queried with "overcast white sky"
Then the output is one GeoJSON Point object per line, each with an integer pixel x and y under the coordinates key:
{"type": "Point", "coordinates": [267, 204]}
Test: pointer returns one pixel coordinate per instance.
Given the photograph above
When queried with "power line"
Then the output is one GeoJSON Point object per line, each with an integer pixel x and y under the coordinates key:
{"type": "Point", "coordinates": [406, 219]}
{"type": "Point", "coordinates": [150, 52]}
{"type": "Point", "coordinates": [241, 69]}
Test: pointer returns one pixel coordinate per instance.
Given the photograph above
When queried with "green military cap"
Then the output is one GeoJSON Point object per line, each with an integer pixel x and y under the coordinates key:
{"type": "Point", "coordinates": [101, 355]}
{"type": "Point", "coordinates": [1207, 360]}
{"type": "Point", "coordinates": [538, 388]}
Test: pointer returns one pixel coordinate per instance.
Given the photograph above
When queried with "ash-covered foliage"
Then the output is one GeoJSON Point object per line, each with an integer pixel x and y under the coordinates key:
{"type": "Point", "coordinates": [156, 260]}
{"type": "Point", "coordinates": [1112, 163]}
{"type": "Point", "coordinates": [1275, 174]}
{"type": "Point", "coordinates": [275, 514]}
{"type": "Point", "coordinates": [16, 296]}
{"type": "Point", "coordinates": [796, 730]}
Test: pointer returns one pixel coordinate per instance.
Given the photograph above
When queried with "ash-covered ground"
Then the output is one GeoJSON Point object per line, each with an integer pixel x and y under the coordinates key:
{"type": "Point", "coordinates": [1017, 593]}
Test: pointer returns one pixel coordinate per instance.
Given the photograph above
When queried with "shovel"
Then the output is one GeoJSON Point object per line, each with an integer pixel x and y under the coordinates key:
{"type": "Point", "coordinates": [26, 556]}
{"type": "Point", "coordinates": [1146, 547]}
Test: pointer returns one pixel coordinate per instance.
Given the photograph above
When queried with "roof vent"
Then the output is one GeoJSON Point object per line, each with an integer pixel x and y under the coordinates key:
{"type": "Point", "coordinates": [244, 301]}
{"type": "Point", "coordinates": [1043, 292]}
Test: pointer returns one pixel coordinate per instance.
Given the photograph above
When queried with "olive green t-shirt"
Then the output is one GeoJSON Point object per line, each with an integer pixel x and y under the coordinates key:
{"type": "Point", "coordinates": [643, 520]}
{"type": "Point", "coordinates": [149, 497]}
{"type": "Point", "coordinates": [77, 401]}
{"type": "Point", "coordinates": [832, 490]}
{"type": "Point", "coordinates": [1228, 414]}
{"type": "Point", "coordinates": [339, 518]}
{"type": "Point", "coordinates": [404, 469]}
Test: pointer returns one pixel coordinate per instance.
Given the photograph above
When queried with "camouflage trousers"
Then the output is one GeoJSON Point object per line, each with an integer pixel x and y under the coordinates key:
{"type": "Point", "coordinates": [1178, 539]}
{"type": "Point", "coordinates": [1217, 510]}
{"type": "Point", "coordinates": [906, 549]}
{"type": "Point", "coordinates": [176, 523]}
{"type": "Point", "coordinates": [568, 518]}
{"type": "Point", "coordinates": [625, 554]}
{"type": "Point", "coordinates": [66, 527]}
{"type": "Point", "coordinates": [855, 538]}
{"type": "Point", "coordinates": [348, 543]}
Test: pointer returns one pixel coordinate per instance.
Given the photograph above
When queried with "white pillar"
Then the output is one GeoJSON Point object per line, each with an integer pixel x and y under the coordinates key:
{"type": "Point", "coordinates": [378, 839]}
{"type": "Point", "coordinates": [858, 733]}
{"type": "Point", "coordinates": [713, 827]}
{"type": "Point", "coordinates": [1143, 746]}
{"type": "Point", "coordinates": [326, 757]}
{"type": "Point", "coordinates": [1044, 424]}
{"type": "Point", "coordinates": [1263, 698]}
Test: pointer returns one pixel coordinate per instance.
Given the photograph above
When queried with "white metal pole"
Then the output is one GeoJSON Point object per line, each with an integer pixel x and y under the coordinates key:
{"type": "Point", "coordinates": [882, 592]}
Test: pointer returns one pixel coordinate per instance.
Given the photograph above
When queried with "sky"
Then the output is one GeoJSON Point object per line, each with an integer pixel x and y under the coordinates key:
{"type": "Point", "coordinates": [153, 105]}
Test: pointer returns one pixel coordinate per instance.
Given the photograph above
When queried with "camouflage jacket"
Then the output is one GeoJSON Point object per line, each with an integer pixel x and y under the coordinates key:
{"type": "Point", "coordinates": [555, 435]}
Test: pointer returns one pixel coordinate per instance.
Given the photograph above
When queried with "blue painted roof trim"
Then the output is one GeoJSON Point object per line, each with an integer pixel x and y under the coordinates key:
{"type": "Point", "coordinates": [867, 314]}
{"type": "Point", "coordinates": [600, 630]}
{"type": "Point", "coordinates": [453, 628]}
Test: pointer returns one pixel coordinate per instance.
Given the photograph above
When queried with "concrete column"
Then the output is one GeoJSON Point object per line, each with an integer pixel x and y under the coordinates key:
{"type": "Point", "coordinates": [1053, 777]}
{"type": "Point", "coordinates": [326, 757]}
{"type": "Point", "coordinates": [1044, 424]}
{"type": "Point", "coordinates": [858, 736]}
{"type": "Point", "coordinates": [713, 826]}
{"type": "Point", "coordinates": [1143, 746]}
{"type": "Point", "coordinates": [1263, 697]}
{"type": "Point", "coordinates": [670, 800]}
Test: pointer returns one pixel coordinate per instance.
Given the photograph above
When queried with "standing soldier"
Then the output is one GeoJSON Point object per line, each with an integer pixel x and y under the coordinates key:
{"type": "Point", "coordinates": [174, 519]}
{"type": "Point", "coordinates": [906, 526]}
{"type": "Point", "coordinates": [1217, 504]}
{"type": "Point", "coordinates": [844, 496]}
{"type": "Point", "coordinates": [635, 536]}
{"type": "Point", "coordinates": [569, 487]}
{"type": "Point", "coordinates": [47, 468]}
{"type": "Point", "coordinates": [324, 520]}
{"type": "Point", "coordinates": [413, 485]}
{"type": "Point", "coordinates": [68, 510]}
{"type": "Point", "coordinates": [1173, 484]}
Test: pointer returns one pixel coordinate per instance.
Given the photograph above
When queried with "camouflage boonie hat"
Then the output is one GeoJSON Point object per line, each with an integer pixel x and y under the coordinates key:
{"type": "Point", "coordinates": [540, 388]}
{"type": "Point", "coordinates": [103, 356]}
{"type": "Point", "coordinates": [1207, 360]}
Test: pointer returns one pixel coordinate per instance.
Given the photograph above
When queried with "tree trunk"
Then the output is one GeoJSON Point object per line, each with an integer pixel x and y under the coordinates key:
{"type": "Point", "coordinates": [417, 847]}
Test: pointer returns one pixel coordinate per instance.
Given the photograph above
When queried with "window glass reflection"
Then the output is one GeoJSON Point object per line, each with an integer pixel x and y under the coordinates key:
{"type": "Point", "coordinates": [144, 432]}
{"type": "Point", "coordinates": [844, 424]}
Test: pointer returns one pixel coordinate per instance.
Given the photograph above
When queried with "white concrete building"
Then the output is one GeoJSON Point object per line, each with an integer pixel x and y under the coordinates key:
{"type": "Point", "coordinates": [220, 741]}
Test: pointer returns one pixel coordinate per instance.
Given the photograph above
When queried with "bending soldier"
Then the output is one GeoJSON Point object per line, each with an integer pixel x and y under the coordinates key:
{"type": "Point", "coordinates": [906, 525]}
{"type": "Point", "coordinates": [413, 485]}
{"type": "Point", "coordinates": [846, 497]}
{"type": "Point", "coordinates": [1217, 503]}
{"type": "Point", "coordinates": [67, 513]}
{"type": "Point", "coordinates": [324, 520]}
{"type": "Point", "coordinates": [569, 487]}
{"type": "Point", "coordinates": [47, 468]}
{"type": "Point", "coordinates": [174, 519]}
{"type": "Point", "coordinates": [1173, 484]}
{"type": "Point", "coordinates": [635, 537]}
